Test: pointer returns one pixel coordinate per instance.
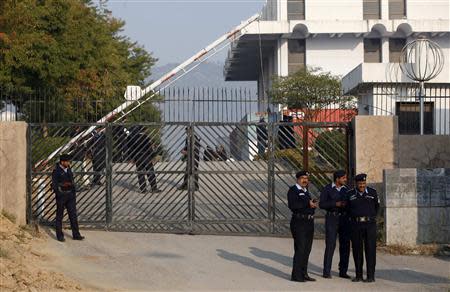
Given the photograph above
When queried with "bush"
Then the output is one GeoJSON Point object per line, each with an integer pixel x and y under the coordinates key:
{"type": "Point", "coordinates": [331, 149]}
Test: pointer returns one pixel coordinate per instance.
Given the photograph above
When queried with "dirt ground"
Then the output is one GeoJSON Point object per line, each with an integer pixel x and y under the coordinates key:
{"type": "Point", "coordinates": [110, 261]}
{"type": "Point", "coordinates": [21, 263]}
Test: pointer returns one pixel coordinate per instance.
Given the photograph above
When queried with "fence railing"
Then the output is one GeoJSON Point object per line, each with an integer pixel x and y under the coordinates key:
{"type": "Point", "coordinates": [235, 105]}
{"type": "Point", "coordinates": [168, 105]}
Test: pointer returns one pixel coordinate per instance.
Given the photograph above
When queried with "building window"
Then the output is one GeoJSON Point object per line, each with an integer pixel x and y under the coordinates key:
{"type": "Point", "coordinates": [371, 9]}
{"type": "Point", "coordinates": [296, 9]}
{"type": "Point", "coordinates": [397, 9]}
{"type": "Point", "coordinates": [409, 118]}
{"type": "Point", "coordinates": [296, 56]}
{"type": "Point", "coordinates": [395, 49]}
{"type": "Point", "coordinates": [372, 50]}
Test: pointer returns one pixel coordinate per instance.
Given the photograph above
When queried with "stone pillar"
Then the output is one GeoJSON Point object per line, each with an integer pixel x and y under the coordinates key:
{"type": "Point", "coordinates": [13, 169]}
{"type": "Point", "coordinates": [375, 147]}
{"type": "Point", "coordinates": [417, 209]}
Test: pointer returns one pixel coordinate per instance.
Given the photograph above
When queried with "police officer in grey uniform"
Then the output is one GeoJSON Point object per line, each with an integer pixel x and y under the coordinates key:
{"type": "Point", "coordinates": [302, 206]}
{"type": "Point", "coordinates": [363, 205]}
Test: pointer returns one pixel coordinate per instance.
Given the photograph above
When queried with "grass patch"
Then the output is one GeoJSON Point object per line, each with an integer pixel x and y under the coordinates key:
{"type": "Point", "coordinates": [9, 216]}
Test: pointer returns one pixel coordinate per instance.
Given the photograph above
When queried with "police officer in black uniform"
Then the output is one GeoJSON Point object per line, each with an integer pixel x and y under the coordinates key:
{"type": "Point", "coordinates": [302, 206]}
{"type": "Point", "coordinates": [185, 155]}
{"type": "Point", "coordinates": [333, 200]}
{"type": "Point", "coordinates": [98, 150]}
{"type": "Point", "coordinates": [363, 205]}
{"type": "Point", "coordinates": [143, 153]}
{"type": "Point", "coordinates": [64, 187]}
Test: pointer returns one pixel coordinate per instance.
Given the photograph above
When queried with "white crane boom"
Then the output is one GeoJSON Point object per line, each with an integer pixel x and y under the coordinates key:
{"type": "Point", "coordinates": [134, 93]}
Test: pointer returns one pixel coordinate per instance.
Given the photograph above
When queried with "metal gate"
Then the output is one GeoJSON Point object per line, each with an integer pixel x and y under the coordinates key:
{"type": "Point", "coordinates": [213, 177]}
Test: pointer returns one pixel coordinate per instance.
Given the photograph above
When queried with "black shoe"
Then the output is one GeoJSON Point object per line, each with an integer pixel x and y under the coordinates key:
{"type": "Point", "coordinates": [345, 276]}
{"type": "Point", "coordinates": [156, 190]}
{"type": "Point", "coordinates": [62, 239]}
{"type": "Point", "coordinates": [326, 276]}
{"type": "Point", "coordinates": [297, 280]}
{"type": "Point", "coordinates": [308, 278]}
{"type": "Point", "coordinates": [182, 188]}
{"type": "Point", "coordinates": [369, 280]}
{"type": "Point", "coordinates": [79, 237]}
{"type": "Point", "coordinates": [357, 279]}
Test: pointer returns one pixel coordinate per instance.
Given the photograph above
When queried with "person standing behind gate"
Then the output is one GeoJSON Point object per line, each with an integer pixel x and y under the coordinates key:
{"type": "Point", "coordinates": [143, 153]}
{"type": "Point", "coordinates": [98, 152]}
{"type": "Point", "coordinates": [333, 200]}
{"type": "Point", "coordinates": [64, 187]}
{"type": "Point", "coordinates": [363, 205]}
{"type": "Point", "coordinates": [185, 156]}
{"type": "Point", "coordinates": [302, 225]}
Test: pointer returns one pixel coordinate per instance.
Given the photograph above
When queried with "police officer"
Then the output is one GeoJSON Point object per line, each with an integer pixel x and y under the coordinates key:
{"type": "Point", "coordinates": [64, 188]}
{"type": "Point", "coordinates": [98, 150]}
{"type": "Point", "coordinates": [363, 205]}
{"type": "Point", "coordinates": [185, 156]}
{"type": "Point", "coordinates": [302, 206]}
{"type": "Point", "coordinates": [333, 200]}
{"type": "Point", "coordinates": [143, 154]}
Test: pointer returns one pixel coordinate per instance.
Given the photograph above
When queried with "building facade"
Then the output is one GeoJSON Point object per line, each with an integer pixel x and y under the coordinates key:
{"type": "Point", "coordinates": [358, 40]}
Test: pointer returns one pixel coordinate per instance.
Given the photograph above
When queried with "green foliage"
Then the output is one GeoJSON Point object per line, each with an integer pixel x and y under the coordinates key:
{"type": "Point", "coordinates": [44, 146]}
{"type": "Point", "coordinates": [71, 47]}
{"type": "Point", "coordinates": [308, 89]}
{"type": "Point", "coordinates": [330, 147]}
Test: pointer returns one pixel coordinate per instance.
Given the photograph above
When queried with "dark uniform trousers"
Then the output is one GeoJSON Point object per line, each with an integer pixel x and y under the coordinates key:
{"type": "Point", "coordinates": [146, 165]}
{"type": "Point", "coordinates": [63, 186]}
{"type": "Point", "coordinates": [364, 235]}
{"type": "Point", "coordinates": [302, 231]}
{"type": "Point", "coordinates": [66, 201]}
{"type": "Point", "coordinates": [334, 225]}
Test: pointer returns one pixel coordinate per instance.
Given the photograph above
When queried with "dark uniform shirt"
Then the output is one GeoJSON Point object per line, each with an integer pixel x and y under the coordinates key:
{"type": "Point", "coordinates": [330, 195]}
{"type": "Point", "coordinates": [364, 204]}
{"type": "Point", "coordinates": [62, 181]}
{"type": "Point", "coordinates": [298, 201]}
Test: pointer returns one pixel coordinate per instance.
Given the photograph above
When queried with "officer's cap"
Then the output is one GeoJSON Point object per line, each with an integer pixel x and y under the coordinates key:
{"type": "Point", "coordinates": [65, 157]}
{"type": "Point", "coordinates": [360, 177]}
{"type": "Point", "coordinates": [302, 173]}
{"type": "Point", "coordinates": [338, 174]}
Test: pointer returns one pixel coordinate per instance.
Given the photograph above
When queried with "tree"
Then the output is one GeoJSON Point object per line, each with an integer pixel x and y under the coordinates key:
{"type": "Point", "coordinates": [309, 90]}
{"type": "Point", "coordinates": [71, 48]}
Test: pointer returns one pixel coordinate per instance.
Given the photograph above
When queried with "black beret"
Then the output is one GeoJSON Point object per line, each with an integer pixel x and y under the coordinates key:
{"type": "Point", "coordinates": [65, 157]}
{"type": "Point", "coordinates": [339, 173]}
{"type": "Point", "coordinates": [361, 177]}
{"type": "Point", "coordinates": [301, 173]}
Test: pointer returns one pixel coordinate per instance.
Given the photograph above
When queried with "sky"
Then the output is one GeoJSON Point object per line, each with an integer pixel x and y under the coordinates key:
{"type": "Point", "coordinates": [173, 30]}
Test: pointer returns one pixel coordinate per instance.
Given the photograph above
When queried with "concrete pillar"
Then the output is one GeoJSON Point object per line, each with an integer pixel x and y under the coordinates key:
{"type": "Point", "coordinates": [375, 147]}
{"type": "Point", "coordinates": [384, 9]}
{"type": "Point", "coordinates": [13, 169]}
{"type": "Point", "coordinates": [385, 50]}
{"type": "Point", "coordinates": [282, 69]}
{"type": "Point", "coordinates": [282, 10]}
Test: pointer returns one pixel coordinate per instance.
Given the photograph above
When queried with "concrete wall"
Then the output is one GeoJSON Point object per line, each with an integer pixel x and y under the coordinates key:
{"type": "Point", "coordinates": [13, 169]}
{"type": "Point", "coordinates": [375, 147]}
{"type": "Point", "coordinates": [336, 55]}
{"type": "Point", "coordinates": [426, 151]}
{"type": "Point", "coordinates": [417, 206]}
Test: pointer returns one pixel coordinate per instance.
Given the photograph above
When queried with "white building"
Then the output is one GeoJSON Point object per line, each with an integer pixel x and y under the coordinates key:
{"type": "Point", "coordinates": [359, 40]}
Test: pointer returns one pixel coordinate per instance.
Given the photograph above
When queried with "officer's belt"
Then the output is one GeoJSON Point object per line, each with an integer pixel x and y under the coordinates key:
{"type": "Point", "coordinates": [303, 216]}
{"type": "Point", "coordinates": [363, 219]}
{"type": "Point", "coordinates": [336, 213]}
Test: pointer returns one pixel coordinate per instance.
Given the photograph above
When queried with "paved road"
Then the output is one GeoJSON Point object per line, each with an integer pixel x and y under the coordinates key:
{"type": "Point", "coordinates": [144, 261]}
